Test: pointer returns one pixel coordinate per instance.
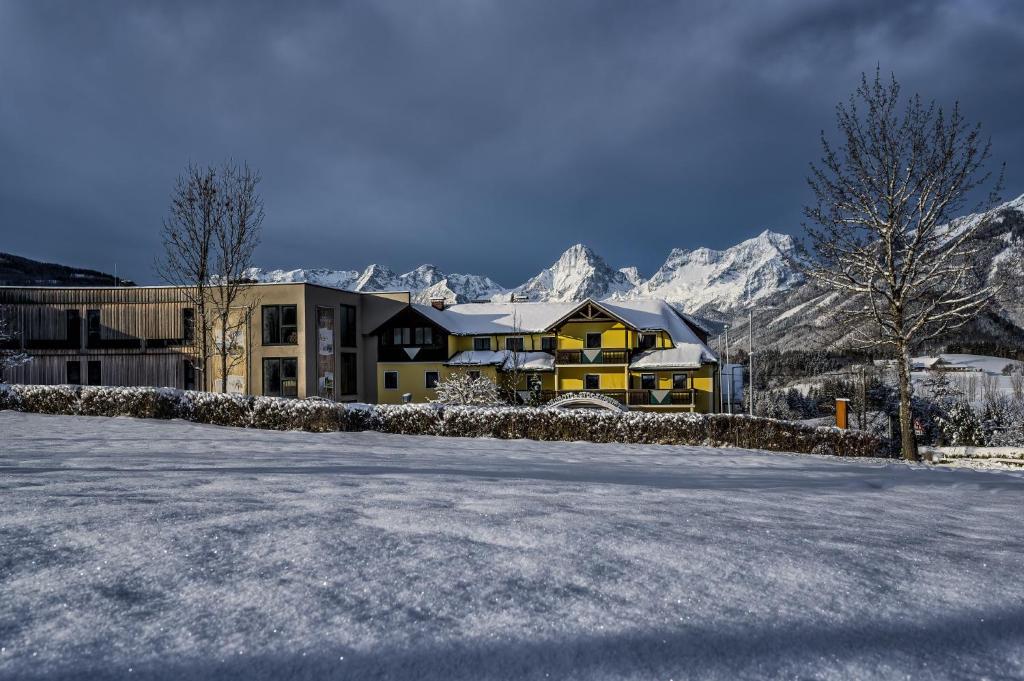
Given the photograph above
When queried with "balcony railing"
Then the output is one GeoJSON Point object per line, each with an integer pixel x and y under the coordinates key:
{"type": "Point", "coordinates": [593, 356]}
{"type": "Point", "coordinates": [635, 398]}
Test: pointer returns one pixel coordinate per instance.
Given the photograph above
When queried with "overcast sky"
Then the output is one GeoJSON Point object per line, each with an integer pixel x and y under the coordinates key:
{"type": "Point", "coordinates": [480, 136]}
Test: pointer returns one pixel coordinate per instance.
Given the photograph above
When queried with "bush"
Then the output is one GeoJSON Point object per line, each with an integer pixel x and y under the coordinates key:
{"type": "Point", "coordinates": [504, 422]}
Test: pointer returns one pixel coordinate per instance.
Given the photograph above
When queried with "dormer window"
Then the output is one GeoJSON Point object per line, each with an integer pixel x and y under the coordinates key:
{"type": "Point", "coordinates": [648, 341]}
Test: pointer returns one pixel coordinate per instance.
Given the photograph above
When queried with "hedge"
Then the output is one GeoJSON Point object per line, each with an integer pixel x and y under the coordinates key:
{"type": "Point", "coordinates": [317, 415]}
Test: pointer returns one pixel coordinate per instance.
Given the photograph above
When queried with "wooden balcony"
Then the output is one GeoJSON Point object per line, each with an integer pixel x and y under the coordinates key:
{"type": "Point", "coordinates": [593, 356]}
{"type": "Point", "coordinates": [635, 398]}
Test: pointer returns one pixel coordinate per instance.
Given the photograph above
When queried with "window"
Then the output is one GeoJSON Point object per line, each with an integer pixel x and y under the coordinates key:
{"type": "Point", "coordinates": [482, 344]}
{"type": "Point", "coordinates": [592, 382]}
{"type": "Point", "coordinates": [679, 382]}
{"type": "Point", "coordinates": [280, 325]}
{"type": "Point", "coordinates": [391, 380]}
{"type": "Point", "coordinates": [189, 371]}
{"type": "Point", "coordinates": [548, 343]}
{"type": "Point", "coordinates": [281, 377]}
{"type": "Point", "coordinates": [403, 336]}
{"type": "Point", "coordinates": [648, 381]}
{"type": "Point", "coordinates": [347, 328]}
{"type": "Point", "coordinates": [347, 378]}
{"type": "Point", "coordinates": [424, 335]}
{"type": "Point", "coordinates": [92, 321]}
{"type": "Point", "coordinates": [514, 344]}
{"type": "Point", "coordinates": [474, 375]}
{"type": "Point", "coordinates": [188, 324]}
{"type": "Point", "coordinates": [534, 383]}
{"type": "Point", "coordinates": [430, 379]}
{"type": "Point", "coordinates": [73, 323]}
{"type": "Point", "coordinates": [94, 372]}
{"type": "Point", "coordinates": [74, 373]}
{"type": "Point", "coordinates": [593, 339]}
{"type": "Point", "coordinates": [648, 341]}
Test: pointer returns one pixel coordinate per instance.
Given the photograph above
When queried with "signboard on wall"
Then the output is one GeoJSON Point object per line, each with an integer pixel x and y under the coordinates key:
{"type": "Point", "coordinates": [325, 352]}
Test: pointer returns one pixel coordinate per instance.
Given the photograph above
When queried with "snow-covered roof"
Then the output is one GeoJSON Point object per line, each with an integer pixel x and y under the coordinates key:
{"type": "Point", "coordinates": [469, 319]}
{"type": "Point", "coordinates": [685, 356]}
{"type": "Point", "coordinates": [528, 361]}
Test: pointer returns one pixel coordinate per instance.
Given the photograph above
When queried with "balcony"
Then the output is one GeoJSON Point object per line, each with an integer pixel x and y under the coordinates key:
{"type": "Point", "coordinates": [593, 356]}
{"type": "Point", "coordinates": [635, 398]}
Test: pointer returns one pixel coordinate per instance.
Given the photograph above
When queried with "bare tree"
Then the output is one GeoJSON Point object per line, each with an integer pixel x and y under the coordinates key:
{"type": "Point", "coordinates": [882, 228]}
{"type": "Point", "coordinates": [11, 354]}
{"type": "Point", "coordinates": [235, 237]}
{"type": "Point", "coordinates": [188, 233]}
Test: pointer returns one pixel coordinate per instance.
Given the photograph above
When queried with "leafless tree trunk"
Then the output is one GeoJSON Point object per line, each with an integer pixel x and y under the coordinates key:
{"type": "Point", "coordinates": [195, 215]}
{"type": "Point", "coordinates": [882, 229]}
{"type": "Point", "coordinates": [235, 238]}
{"type": "Point", "coordinates": [11, 354]}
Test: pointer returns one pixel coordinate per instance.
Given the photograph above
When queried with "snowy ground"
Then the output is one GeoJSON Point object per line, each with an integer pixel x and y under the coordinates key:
{"type": "Point", "coordinates": [136, 549]}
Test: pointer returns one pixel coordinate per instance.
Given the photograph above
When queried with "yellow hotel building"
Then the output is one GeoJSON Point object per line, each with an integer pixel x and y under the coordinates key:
{"type": "Point", "coordinates": [642, 353]}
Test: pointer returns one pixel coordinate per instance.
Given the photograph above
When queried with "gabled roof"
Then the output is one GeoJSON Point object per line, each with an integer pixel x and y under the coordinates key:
{"type": "Point", "coordinates": [481, 319]}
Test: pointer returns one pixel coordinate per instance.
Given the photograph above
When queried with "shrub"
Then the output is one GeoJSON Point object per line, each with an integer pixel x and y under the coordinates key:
{"type": "Point", "coordinates": [152, 403]}
{"type": "Point", "coordinates": [505, 422]}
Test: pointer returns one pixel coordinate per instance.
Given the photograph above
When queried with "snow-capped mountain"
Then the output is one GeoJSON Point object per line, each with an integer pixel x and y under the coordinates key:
{"type": "Point", "coordinates": [705, 278]}
{"type": "Point", "coordinates": [693, 280]}
{"type": "Point", "coordinates": [578, 274]}
{"type": "Point", "coordinates": [425, 282]}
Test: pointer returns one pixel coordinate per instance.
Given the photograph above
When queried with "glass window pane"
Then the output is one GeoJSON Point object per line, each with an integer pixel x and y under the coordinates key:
{"type": "Point", "coordinates": [289, 316]}
{"type": "Point", "coordinates": [428, 336]}
{"type": "Point", "coordinates": [431, 379]}
{"type": "Point", "coordinates": [593, 340]}
{"type": "Point", "coordinates": [290, 377]}
{"type": "Point", "coordinates": [679, 381]}
{"type": "Point", "coordinates": [406, 336]}
{"type": "Point", "coordinates": [419, 335]}
{"type": "Point", "coordinates": [647, 382]}
{"type": "Point", "coordinates": [391, 380]}
{"type": "Point", "coordinates": [272, 377]}
{"type": "Point", "coordinates": [592, 382]}
{"type": "Point", "coordinates": [481, 344]}
{"type": "Point", "coordinates": [397, 336]}
{"type": "Point", "coordinates": [271, 325]}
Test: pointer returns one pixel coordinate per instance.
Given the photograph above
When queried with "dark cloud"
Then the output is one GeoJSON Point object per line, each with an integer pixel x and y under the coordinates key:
{"type": "Point", "coordinates": [482, 136]}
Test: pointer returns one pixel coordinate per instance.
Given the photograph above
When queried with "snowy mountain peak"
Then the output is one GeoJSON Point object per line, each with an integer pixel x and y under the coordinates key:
{"type": "Point", "coordinates": [578, 274]}
{"type": "Point", "coordinates": [726, 279]}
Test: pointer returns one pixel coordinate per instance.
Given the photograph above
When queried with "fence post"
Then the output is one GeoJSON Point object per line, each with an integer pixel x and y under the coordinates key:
{"type": "Point", "coordinates": [842, 412]}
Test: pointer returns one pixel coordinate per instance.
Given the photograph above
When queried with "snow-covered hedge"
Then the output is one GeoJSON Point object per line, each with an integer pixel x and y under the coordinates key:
{"type": "Point", "coordinates": [317, 415]}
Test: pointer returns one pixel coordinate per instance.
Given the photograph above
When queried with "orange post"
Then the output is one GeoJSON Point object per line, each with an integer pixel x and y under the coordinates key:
{"type": "Point", "coordinates": [842, 413]}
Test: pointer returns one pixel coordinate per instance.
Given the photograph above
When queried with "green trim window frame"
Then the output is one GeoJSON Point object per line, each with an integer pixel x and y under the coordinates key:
{"type": "Point", "coordinates": [514, 344]}
{"type": "Point", "coordinates": [347, 384]}
{"type": "Point", "coordinates": [592, 382]}
{"type": "Point", "coordinates": [280, 324]}
{"type": "Point", "coordinates": [347, 326]}
{"type": "Point", "coordinates": [431, 379]}
{"type": "Point", "coordinates": [648, 382]}
{"type": "Point", "coordinates": [680, 381]}
{"type": "Point", "coordinates": [391, 380]}
{"type": "Point", "coordinates": [281, 376]}
{"type": "Point", "coordinates": [548, 343]}
{"type": "Point", "coordinates": [593, 340]}
{"type": "Point", "coordinates": [73, 372]}
{"type": "Point", "coordinates": [482, 344]}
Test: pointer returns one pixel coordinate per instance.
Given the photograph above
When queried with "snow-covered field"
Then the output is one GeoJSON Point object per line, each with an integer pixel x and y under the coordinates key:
{"type": "Point", "coordinates": [135, 549]}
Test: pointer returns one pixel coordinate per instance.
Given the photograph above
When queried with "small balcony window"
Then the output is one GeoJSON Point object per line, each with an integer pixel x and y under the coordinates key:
{"type": "Point", "coordinates": [548, 343]}
{"type": "Point", "coordinates": [679, 382]}
{"type": "Point", "coordinates": [592, 382]}
{"type": "Point", "coordinates": [482, 344]}
{"type": "Point", "coordinates": [593, 340]}
{"type": "Point", "coordinates": [514, 344]}
{"type": "Point", "coordinates": [648, 341]}
{"type": "Point", "coordinates": [648, 381]}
